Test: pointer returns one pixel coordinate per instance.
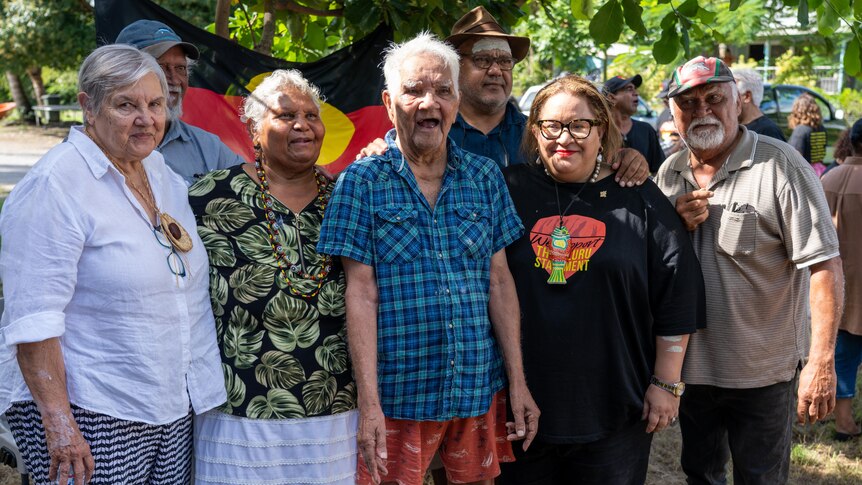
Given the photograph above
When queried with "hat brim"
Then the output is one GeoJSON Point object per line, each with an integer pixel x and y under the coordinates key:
{"type": "Point", "coordinates": [519, 45]}
{"type": "Point", "coordinates": [157, 50]}
{"type": "Point", "coordinates": [699, 82]}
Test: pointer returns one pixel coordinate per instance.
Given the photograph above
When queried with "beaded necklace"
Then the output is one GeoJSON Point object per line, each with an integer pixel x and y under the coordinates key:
{"type": "Point", "coordinates": [272, 224]}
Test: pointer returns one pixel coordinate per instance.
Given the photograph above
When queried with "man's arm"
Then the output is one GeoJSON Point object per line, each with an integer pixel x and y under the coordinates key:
{"type": "Point", "coordinates": [505, 317]}
{"type": "Point", "coordinates": [361, 302]}
{"type": "Point", "coordinates": [817, 379]}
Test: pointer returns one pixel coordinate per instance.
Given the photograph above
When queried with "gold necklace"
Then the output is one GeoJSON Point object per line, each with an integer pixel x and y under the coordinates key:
{"type": "Point", "coordinates": [175, 233]}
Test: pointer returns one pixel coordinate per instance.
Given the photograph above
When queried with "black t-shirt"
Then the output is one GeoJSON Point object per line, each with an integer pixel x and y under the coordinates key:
{"type": "Point", "coordinates": [765, 126]}
{"type": "Point", "coordinates": [643, 138]}
{"type": "Point", "coordinates": [632, 274]}
{"type": "Point", "coordinates": [810, 142]}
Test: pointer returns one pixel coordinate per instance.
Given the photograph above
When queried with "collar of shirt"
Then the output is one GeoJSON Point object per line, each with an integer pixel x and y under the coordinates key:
{"type": "Point", "coordinates": [98, 162]}
{"type": "Point", "coordinates": [399, 162]}
{"type": "Point", "coordinates": [176, 129]}
{"type": "Point", "coordinates": [513, 117]}
{"type": "Point", "coordinates": [852, 161]}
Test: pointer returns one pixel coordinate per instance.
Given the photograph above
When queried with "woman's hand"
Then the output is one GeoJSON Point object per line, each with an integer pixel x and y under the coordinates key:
{"type": "Point", "coordinates": [69, 452]}
{"type": "Point", "coordinates": [661, 409]}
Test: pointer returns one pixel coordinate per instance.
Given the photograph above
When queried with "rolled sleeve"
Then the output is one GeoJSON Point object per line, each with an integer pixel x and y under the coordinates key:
{"type": "Point", "coordinates": [347, 224]}
{"type": "Point", "coordinates": [35, 328]}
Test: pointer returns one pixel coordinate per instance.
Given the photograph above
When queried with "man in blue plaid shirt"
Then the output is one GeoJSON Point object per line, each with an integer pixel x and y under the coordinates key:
{"type": "Point", "coordinates": [432, 313]}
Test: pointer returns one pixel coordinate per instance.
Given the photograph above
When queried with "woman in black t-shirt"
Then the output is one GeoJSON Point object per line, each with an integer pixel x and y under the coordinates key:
{"type": "Point", "coordinates": [809, 135]}
{"type": "Point", "coordinates": [610, 289]}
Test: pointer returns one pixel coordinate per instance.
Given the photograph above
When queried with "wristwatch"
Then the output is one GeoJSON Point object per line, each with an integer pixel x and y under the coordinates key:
{"type": "Point", "coordinates": [676, 388]}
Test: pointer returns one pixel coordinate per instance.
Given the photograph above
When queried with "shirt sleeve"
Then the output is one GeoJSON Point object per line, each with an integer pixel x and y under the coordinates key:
{"type": "Point", "coordinates": [799, 140]}
{"type": "Point", "coordinates": [507, 225]}
{"type": "Point", "coordinates": [656, 154]}
{"type": "Point", "coordinates": [347, 223]}
{"type": "Point", "coordinates": [42, 243]}
{"type": "Point", "coordinates": [676, 287]}
{"type": "Point", "coordinates": [809, 234]}
{"type": "Point", "coordinates": [227, 158]}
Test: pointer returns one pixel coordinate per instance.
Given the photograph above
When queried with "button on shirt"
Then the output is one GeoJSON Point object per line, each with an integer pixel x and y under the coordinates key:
{"type": "Point", "coordinates": [80, 261]}
{"type": "Point", "coordinates": [502, 144]}
{"type": "Point", "coordinates": [437, 356]}
{"type": "Point", "coordinates": [191, 151]}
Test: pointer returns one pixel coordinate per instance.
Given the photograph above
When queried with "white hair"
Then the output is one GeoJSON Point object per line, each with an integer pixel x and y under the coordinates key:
{"type": "Point", "coordinates": [748, 80]}
{"type": "Point", "coordinates": [425, 43]}
{"type": "Point", "coordinates": [266, 94]}
{"type": "Point", "coordinates": [113, 67]}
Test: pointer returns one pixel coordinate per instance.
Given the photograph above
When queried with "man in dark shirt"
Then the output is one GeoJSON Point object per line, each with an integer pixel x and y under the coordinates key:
{"type": "Point", "coordinates": [750, 86]}
{"type": "Point", "coordinates": [622, 94]}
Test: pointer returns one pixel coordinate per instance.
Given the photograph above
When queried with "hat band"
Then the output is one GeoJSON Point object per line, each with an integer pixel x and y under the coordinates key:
{"type": "Point", "coordinates": [486, 27]}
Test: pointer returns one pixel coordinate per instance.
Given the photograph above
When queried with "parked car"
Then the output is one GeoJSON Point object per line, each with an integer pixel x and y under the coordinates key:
{"type": "Point", "coordinates": [778, 100]}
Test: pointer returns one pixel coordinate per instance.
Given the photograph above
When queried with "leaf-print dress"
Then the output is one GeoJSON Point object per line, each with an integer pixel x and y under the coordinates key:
{"type": "Point", "coordinates": [283, 356]}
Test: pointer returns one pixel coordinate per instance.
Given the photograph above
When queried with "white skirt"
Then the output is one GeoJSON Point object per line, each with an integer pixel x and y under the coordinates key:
{"type": "Point", "coordinates": [233, 450]}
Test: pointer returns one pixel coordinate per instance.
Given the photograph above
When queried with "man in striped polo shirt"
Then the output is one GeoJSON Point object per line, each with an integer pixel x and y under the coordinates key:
{"type": "Point", "coordinates": [762, 231]}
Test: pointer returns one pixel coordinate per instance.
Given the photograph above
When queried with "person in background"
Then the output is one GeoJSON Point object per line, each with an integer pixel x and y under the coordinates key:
{"type": "Point", "coordinates": [809, 135]}
{"type": "Point", "coordinates": [843, 187]}
{"type": "Point", "coordinates": [188, 150]}
{"type": "Point", "coordinates": [750, 85]}
{"type": "Point", "coordinates": [622, 93]}
{"type": "Point", "coordinates": [433, 320]}
{"type": "Point", "coordinates": [843, 149]}
{"type": "Point", "coordinates": [604, 375]}
{"type": "Point", "coordinates": [107, 306]}
{"type": "Point", "coordinates": [762, 232]}
{"type": "Point", "coordinates": [279, 304]}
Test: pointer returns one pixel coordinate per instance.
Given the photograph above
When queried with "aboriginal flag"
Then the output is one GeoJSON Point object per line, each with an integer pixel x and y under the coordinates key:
{"type": "Point", "coordinates": [350, 80]}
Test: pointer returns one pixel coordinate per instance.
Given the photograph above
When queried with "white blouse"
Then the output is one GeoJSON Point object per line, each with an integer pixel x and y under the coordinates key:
{"type": "Point", "coordinates": [80, 261]}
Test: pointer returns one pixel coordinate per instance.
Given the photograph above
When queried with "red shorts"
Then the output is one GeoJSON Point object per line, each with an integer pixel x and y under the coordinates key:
{"type": "Point", "coordinates": [471, 448]}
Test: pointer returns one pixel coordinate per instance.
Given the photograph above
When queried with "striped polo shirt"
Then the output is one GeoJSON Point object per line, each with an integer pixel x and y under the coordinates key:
{"type": "Point", "coordinates": [768, 222]}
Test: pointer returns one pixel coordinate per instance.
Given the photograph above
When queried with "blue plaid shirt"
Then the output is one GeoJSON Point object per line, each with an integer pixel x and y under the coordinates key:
{"type": "Point", "coordinates": [437, 357]}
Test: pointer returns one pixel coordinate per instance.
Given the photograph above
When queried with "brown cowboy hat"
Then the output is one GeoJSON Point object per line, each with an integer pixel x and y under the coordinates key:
{"type": "Point", "coordinates": [480, 23]}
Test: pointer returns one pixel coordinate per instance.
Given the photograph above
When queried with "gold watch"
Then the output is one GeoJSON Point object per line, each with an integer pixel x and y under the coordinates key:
{"type": "Point", "coordinates": [675, 388]}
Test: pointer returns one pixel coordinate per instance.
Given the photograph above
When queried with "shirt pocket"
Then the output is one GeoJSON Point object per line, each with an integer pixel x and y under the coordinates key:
{"type": "Point", "coordinates": [397, 235]}
{"type": "Point", "coordinates": [474, 231]}
{"type": "Point", "coordinates": [737, 234]}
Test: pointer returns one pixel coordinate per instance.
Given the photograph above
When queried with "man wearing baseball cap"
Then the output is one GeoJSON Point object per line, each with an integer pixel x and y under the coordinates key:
{"type": "Point", "coordinates": [190, 151]}
{"type": "Point", "coordinates": [622, 94]}
{"type": "Point", "coordinates": [762, 230]}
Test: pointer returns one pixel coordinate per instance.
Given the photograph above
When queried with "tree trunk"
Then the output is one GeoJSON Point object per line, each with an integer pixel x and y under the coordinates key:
{"type": "Point", "coordinates": [22, 104]}
{"type": "Point", "coordinates": [222, 18]}
{"type": "Point", "coordinates": [267, 33]}
{"type": "Point", "coordinates": [35, 75]}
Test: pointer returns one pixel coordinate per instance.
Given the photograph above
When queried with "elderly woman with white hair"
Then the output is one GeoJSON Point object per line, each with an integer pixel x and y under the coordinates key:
{"type": "Point", "coordinates": [106, 294]}
{"type": "Point", "coordinates": [279, 304]}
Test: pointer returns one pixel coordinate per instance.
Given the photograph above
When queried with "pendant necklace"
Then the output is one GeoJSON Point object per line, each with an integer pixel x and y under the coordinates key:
{"type": "Point", "coordinates": [173, 231]}
{"type": "Point", "coordinates": [559, 243]}
{"type": "Point", "coordinates": [273, 223]}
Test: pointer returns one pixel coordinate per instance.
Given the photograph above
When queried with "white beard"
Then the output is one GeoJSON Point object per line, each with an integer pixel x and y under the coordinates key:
{"type": "Point", "coordinates": [176, 111]}
{"type": "Point", "coordinates": [709, 140]}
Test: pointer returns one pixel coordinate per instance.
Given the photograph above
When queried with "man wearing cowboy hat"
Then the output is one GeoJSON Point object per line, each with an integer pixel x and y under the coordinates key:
{"type": "Point", "coordinates": [622, 94]}
{"type": "Point", "coordinates": [762, 231]}
{"type": "Point", "coordinates": [190, 151]}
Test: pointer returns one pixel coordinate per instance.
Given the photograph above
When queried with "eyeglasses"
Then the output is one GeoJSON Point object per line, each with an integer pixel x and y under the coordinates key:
{"type": "Point", "coordinates": [179, 69]}
{"type": "Point", "coordinates": [505, 63]}
{"type": "Point", "coordinates": [175, 262]}
{"type": "Point", "coordinates": [578, 129]}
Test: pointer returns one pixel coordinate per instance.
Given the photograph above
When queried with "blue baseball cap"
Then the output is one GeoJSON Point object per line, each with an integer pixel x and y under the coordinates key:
{"type": "Point", "coordinates": [154, 38]}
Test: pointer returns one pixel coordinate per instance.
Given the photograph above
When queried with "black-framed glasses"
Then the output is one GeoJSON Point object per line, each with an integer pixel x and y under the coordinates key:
{"type": "Point", "coordinates": [506, 63]}
{"type": "Point", "coordinates": [578, 129]}
{"type": "Point", "coordinates": [175, 262]}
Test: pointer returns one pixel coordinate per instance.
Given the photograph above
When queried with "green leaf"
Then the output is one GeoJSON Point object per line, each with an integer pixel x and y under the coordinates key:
{"type": "Point", "coordinates": [853, 58]}
{"type": "Point", "coordinates": [252, 282]}
{"type": "Point", "coordinates": [633, 13]}
{"type": "Point", "coordinates": [235, 389]}
{"type": "Point", "coordinates": [314, 37]}
{"type": "Point", "coordinates": [226, 215]}
{"type": "Point", "coordinates": [857, 9]}
{"type": "Point", "coordinates": [345, 399]}
{"type": "Point", "coordinates": [581, 9]}
{"type": "Point", "coordinates": [802, 13]}
{"type": "Point", "coordinates": [319, 392]}
{"type": "Point", "coordinates": [734, 4]}
{"type": "Point", "coordinates": [254, 244]}
{"type": "Point", "coordinates": [827, 20]}
{"type": "Point", "coordinates": [665, 50]}
{"type": "Point", "coordinates": [218, 247]}
{"type": "Point", "coordinates": [240, 341]}
{"type": "Point", "coordinates": [332, 354]}
{"type": "Point", "coordinates": [208, 183]}
{"type": "Point", "coordinates": [607, 24]}
{"type": "Point", "coordinates": [706, 17]}
{"type": "Point", "coordinates": [331, 299]}
{"type": "Point", "coordinates": [218, 292]}
{"type": "Point", "coordinates": [842, 7]}
{"type": "Point", "coordinates": [668, 21]}
{"type": "Point", "coordinates": [291, 322]}
{"type": "Point", "coordinates": [279, 370]}
{"type": "Point", "coordinates": [247, 191]}
{"type": "Point", "coordinates": [688, 8]}
{"type": "Point", "coordinates": [278, 404]}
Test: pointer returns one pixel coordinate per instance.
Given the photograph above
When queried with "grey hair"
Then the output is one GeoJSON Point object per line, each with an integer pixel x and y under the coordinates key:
{"type": "Point", "coordinates": [424, 43]}
{"type": "Point", "coordinates": [266, 93]}
{"type": "Point", "coordinates": [113, 67]}
{"type": "Point", "coordinates": [748, 80]}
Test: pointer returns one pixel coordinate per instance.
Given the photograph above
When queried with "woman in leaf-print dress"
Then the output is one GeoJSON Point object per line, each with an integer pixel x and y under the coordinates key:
{"type": "Point", "coordinates": [278, 304]}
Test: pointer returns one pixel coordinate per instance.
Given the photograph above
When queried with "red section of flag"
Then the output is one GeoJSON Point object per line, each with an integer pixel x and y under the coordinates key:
{"type": "Point", "coordinates": [369, 123]}
{"type": "Point", "coordinates": [219, 115]}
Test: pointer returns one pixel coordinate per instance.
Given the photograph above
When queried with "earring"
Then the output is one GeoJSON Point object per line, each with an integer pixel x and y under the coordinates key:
{"type": "Point", "coordinates": [598, 167]}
